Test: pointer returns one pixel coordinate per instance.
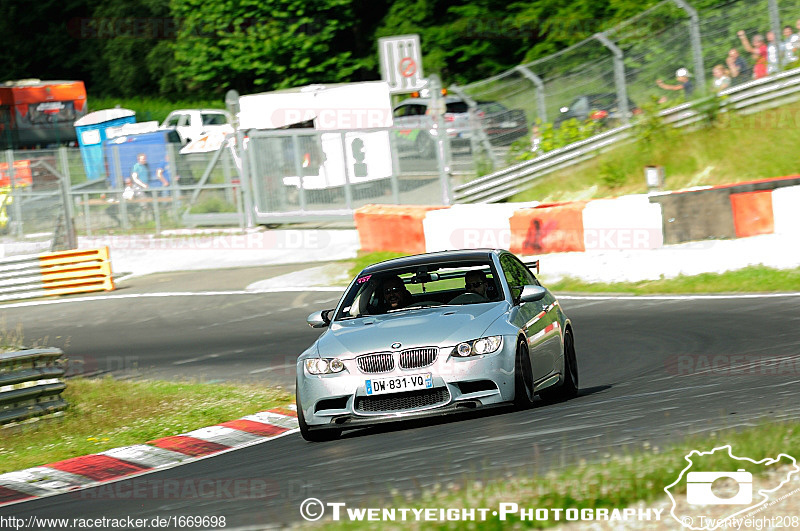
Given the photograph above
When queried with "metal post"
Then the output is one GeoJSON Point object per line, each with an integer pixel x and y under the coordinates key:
{"type": "Point", "coordinates": [441, 132]}
{"type": "Point", "coordinates": [69, 214]}
{"type": "Point", "coordinates": [619, 76]}
{"type": "Point", "coordinates": [15, 201]}
{"type": "Point", "coordinates": [298, 169]}
{"type": "Point", "coordinates": [174, 185]}
{"type": "Point", "coordinates": [348, 193]}
{"type": "Point", "coordinates": [540, 97]}
{"type": "Point", "coordinates": [123, 208]}
{"type": "Point", "coordinates": [775, 25]}
{"type": "Point", "coordinates": [232, 101]}
{"type": "Point", "coordinates": [395, 168]}
{"type": "Point", "coordinates": [697, 47]}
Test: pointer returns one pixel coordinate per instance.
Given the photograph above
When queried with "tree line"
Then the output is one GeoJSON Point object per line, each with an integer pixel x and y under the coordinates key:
{"type": "Point", "coordinates": [180, 49]}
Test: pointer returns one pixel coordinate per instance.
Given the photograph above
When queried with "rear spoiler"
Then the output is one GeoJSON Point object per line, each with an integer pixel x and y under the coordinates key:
{"type": "Point", "coordinates": [532, 263]}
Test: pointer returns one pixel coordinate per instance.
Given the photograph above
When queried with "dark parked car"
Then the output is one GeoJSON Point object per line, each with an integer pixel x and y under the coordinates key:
{"type": "Point", "coordinates": [602, 107]}
{"type": "Point", "coordinates": [501, 125]}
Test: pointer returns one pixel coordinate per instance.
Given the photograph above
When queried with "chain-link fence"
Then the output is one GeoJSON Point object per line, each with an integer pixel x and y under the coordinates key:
{"type": "Point", "coordinates": [604, 80]}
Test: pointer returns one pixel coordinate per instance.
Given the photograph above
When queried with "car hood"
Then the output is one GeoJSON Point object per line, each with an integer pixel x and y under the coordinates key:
{"type": "Point", "coordinates": [441, 326]}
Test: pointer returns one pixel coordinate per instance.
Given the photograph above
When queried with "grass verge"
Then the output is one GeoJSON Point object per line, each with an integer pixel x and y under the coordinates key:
{"type": "Point", "coordinates": [107, 413]}
{"type": "Point", "coordinates": [366, 259]}
{"type": "Point", "coordinates": [747, 280]}
{"type": "Point", "coordinates": [736, 148]}
{"type": "Point", "coordinates": [753, 279]}
{"type": "Point", "coordinates": [637, 474]}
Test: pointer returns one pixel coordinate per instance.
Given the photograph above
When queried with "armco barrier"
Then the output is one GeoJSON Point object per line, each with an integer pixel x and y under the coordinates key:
{"type": "Point", "coordinates": [628, 222]}
{"type": "Point", "coordinates": [469, 226]}
{"type": "Point", "coordinates": [392, 227]}
{"type": "Point", "coordinates": [30, 384]}
{"type": "Point", "coordinates": [752, 213]}
{"type": "Point", "coordinates": [785, 211]}
{"type": "Point", "coordinates": [551, 228]}
{"type": "Point", "coordinates": [59, 273]}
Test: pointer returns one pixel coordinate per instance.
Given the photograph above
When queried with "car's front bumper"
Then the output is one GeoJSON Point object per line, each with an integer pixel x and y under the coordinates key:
{"type": "Point", "coordinates": [341, 399]}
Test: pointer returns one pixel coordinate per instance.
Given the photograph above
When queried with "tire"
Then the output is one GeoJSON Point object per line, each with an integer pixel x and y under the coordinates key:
{"type": "Point", "coordinates": [327, 434]}
{"type": "Point", "coordinates": [568, 388]}
{"type": "Point", "coordinates": [523, 377]}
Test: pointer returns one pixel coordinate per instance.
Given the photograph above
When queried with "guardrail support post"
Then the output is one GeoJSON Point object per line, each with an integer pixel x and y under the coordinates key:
{"type": "Point", "coordinates": [619, 76]}
{"type": "Point", "coordinates": [541, 108]}
{"type": "Point", "coordinates": [348, 193]}
{"type": "Point", "coordinates": [697, 47]}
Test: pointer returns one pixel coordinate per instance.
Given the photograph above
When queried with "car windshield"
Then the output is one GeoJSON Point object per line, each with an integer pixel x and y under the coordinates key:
{"type": "Point", "coordinates": [421, 286]}
{"type": "Point", "coordinates": [214, 119]}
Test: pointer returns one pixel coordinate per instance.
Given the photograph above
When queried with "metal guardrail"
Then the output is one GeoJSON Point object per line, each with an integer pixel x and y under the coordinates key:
{"type": "Point", "coordinates": [747, 98]}
{"type": "Point", "coordinates": [30, 384]}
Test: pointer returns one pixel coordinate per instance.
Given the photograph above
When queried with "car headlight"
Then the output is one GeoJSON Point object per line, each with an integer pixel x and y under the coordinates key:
{"type": "Point", "coordinates": [324, 365]}
{"type": "Point", "coordinates": [484, 345]}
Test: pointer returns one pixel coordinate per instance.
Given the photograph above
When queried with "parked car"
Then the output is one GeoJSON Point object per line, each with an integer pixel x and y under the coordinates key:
{"type": "Point", "coordinates": [602, 107]}
{"type": "Point", "coordinates": [433, 334]}
{"type": "Point", "coordinates": [191, 124]}
{"type": "Point", "coordinates": [501, 125]}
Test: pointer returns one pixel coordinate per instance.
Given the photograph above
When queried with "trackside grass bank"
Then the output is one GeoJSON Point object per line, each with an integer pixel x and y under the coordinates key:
{"type": "Point", "coordinates": [107, 413]}
{"type": "Point", "coordinates": [753, 279]}
{"type": "Point", "coordinates": [637, 473]}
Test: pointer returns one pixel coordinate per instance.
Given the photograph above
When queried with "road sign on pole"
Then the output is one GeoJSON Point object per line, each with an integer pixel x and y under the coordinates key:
{"type": "Point", "coordinates": [401, 63]}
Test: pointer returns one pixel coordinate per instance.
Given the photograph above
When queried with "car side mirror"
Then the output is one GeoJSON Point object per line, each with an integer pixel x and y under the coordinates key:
{"type": "Point", "coordinates": [319, 319]}
{"type": "Point", "coordinates": [532, 293]}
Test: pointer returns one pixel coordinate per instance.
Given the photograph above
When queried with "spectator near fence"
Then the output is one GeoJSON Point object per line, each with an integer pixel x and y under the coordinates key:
{"type": "Point", "coordinates": [758, 50]}
{"type": "Point", "coordinates": [722, 79]}
{"type": "Point", "coordinates": [740, 71]}
{"type": "Point", "coordinates": [790, 44]}
{"type": "Point", "coordinates": [685, 84]}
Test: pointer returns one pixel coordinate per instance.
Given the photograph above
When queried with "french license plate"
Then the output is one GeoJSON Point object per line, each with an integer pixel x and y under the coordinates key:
{"type": "Point", "coordinates": [508, 125]}
{"type": "Point", "coordinates": [398, 384]}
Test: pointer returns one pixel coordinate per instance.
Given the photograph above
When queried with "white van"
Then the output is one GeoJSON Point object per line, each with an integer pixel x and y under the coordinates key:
{"type": "Point", "coordinates": [350, 151]}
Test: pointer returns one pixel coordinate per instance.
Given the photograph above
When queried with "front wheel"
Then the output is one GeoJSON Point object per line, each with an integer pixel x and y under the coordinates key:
{"type": "Point", "coordinates": [310, 435]}
{"type": "Point", "coordinates": [523, 377]}
{"type": "Point", "coordinates": [569, 387]}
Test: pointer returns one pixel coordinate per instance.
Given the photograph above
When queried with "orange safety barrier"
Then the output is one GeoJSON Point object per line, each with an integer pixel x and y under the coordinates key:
{"type": "Point", "coordinates": [22, 173]}
{"type": "Point", "coordinates": [551, 228]}
{"type": "Point", "coordinates": [392, 227]}
{"type": "Point", "coordinates": [76, 271]}
{"type": "Point", "coordinates": [752, 213]}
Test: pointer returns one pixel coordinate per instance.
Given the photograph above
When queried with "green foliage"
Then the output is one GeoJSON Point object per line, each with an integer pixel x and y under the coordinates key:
{"type": "Point", "coordinates": [211, 204]}
{"type": "Point", "coordinates": [709, 108]}
{"type": "Point", "coordinates": [151, 108]}
{"type": "Point", "coordinates": [649, 128]}
{"type": "Point", "coordinates": [612, 174]}
{"type": "Point", "coordinates": [569, 132]}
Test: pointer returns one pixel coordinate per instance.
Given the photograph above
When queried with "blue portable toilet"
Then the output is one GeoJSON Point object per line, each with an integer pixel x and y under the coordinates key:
{"type": "Point", "coordinates": [121, 153]}
{"type": "Point", "coordinates": [91, 131]}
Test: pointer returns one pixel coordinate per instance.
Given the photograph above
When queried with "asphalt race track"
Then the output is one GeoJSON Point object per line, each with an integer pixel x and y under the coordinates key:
{"type": "Point", "coordinates": [645, 368]}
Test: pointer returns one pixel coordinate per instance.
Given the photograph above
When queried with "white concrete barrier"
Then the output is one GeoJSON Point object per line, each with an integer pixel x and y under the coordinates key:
{"type": "Point", "coordinates": [786, 210]}
{"type": "Point", "coordinates": [629, 222]}
{"type": "Point", "coordinates": [470, 226]}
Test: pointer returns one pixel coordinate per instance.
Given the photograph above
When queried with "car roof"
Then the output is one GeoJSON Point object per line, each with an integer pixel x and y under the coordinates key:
{"type": "Point", "coordinates": [426, 101]}
{"type": "Point", "coordinates": [432, 258]}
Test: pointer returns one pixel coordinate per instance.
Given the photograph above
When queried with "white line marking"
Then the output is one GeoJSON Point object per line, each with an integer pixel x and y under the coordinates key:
{"type": "Point", "coordinates": [676, 297]}
{"type": "Point", "coordinates": [331, 289]}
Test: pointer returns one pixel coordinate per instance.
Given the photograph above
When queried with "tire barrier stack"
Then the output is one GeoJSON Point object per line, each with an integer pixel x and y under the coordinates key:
{"type": "Point", "coordinates": [31, 384]}
{"type": "Point", "coordinates": [634, 222]}
{"type": "Point", "coordinates": [59, 273]}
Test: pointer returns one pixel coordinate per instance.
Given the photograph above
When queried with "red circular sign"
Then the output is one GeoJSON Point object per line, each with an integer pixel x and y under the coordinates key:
{"type": "Point", "coordinates": [407, 67]}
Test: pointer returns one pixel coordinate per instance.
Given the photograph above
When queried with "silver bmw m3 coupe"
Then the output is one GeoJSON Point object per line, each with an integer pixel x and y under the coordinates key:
{"type": "Point", "coordinates": [431, 334]}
